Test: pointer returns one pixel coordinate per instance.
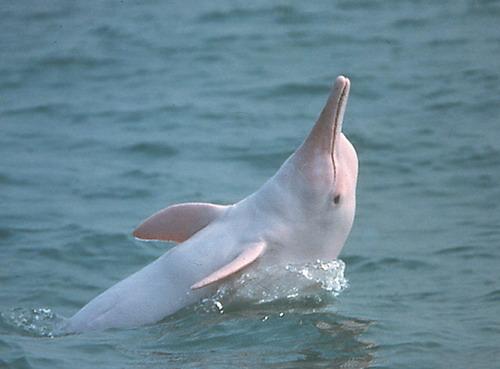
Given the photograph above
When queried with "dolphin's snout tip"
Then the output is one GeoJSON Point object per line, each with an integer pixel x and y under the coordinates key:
{"type": "Point", "coordinates": [342, 81]}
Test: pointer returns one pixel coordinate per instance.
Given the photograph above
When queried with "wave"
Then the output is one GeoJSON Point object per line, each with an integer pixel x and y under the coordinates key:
{"type": "Point", "coordinates": [152, 149]}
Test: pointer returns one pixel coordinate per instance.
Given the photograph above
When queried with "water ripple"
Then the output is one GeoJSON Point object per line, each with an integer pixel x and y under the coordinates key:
{"type": "Point", "coordinates": [406, 264]}
{"type": "Point", "coordinates": [284, 14]}
{"type": "Point", "coordinates": [76, 61]}
{"type": "Point", "coordinates": [493, 296]}
{"type": "Point", "coordinates": [291, 89]}
{"type": "Point", "coordinates": [41, 109]}
{"type": "Point", "coordinates": [38, 322]}
{"type": "Point", "coordinates": [114, 192]}
{"type": "Point", "coordinates": [157, 150]}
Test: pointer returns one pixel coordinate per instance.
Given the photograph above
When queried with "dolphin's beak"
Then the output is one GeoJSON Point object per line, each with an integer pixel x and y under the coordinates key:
{"type": "Point", "coordinates": [341, 92]}
{"type": "Point", "coordinates": [325, 133]}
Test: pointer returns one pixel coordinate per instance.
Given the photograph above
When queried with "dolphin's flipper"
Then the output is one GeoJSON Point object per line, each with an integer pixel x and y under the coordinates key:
{"type": "Point", "coordinates": [178, 222]}
{"type": "Point", "coordinates": [249, 255]}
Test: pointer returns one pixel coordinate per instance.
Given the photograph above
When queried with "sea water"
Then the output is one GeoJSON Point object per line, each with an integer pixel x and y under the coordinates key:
{"type": "Point", "coordinates": [110, 111]}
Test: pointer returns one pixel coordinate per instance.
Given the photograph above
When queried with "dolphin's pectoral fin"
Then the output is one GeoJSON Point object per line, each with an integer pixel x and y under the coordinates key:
{"type": "Point", "coordinates": [248, 256]}
{"type": "Point", "coordinates": [178, 222]}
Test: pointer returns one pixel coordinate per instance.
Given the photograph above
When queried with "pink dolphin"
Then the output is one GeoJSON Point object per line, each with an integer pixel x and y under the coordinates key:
{"type": "Point", "coordinates": [301, 214]}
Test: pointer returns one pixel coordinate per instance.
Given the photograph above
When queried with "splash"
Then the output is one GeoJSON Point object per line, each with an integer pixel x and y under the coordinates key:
{"type": "Point", "coordinates": [308, 284]}
{"type": "Point", "coordinates": [327, 274]}
{"type": "Point", "coordinates": [40, 322]}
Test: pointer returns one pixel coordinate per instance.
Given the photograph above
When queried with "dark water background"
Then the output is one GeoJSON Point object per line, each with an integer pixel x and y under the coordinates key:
{"type": "Point", "coordinates": [112, 110]}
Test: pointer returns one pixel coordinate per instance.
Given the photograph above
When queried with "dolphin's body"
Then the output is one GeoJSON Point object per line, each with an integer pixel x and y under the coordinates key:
{"type": "Point", "coordinates": [301, 214]}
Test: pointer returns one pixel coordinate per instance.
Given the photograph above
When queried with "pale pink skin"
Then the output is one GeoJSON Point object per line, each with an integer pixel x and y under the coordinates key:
{"type": "Point", "coordinates": [303, 213]}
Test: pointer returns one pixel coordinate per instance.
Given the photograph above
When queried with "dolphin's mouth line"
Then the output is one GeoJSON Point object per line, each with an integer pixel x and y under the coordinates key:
{"type": "Point", "coordinates": [340, 105]}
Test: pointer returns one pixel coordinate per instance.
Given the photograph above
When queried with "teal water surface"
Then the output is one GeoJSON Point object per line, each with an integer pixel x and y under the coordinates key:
{"type": "Point", "coordinates": [111, 110]}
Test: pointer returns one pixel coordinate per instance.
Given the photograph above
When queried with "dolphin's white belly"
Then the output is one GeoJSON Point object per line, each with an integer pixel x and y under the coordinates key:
{"type": "Point", "coordinates": [147, 296]}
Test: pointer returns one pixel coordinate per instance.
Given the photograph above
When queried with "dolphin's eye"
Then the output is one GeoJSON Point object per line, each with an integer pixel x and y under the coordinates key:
{"type": "Point", "coordinates": [336, 199]}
